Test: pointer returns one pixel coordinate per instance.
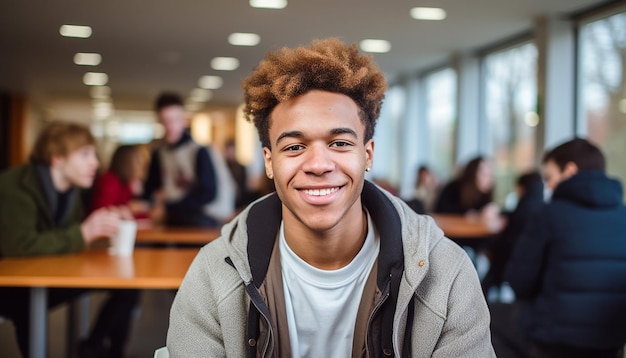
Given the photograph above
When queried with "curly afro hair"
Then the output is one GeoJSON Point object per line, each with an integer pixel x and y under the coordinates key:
{"type": "Point", "coordinates": [328, 65]}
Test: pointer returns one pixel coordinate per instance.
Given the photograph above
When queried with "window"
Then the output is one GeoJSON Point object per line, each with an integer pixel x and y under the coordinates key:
{"type": "Point", "coordinates": [387, 151]}
{"type": "Point", "coordinates": [510, 105]}
{"type": "Point", "coordinates": [602, 90]}
{"type": "Point", "coordinates": [440, 96]}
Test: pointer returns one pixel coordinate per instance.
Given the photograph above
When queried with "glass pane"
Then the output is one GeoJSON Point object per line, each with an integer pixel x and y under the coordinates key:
{"type": "Point", "coordinates": [511, 113]}
{"type": "Point", "coordinates": [387, 157]}
{"type": "Point", "coordinates": [440, 89]}
{"type": "Point", "coordinates": [603, 88]}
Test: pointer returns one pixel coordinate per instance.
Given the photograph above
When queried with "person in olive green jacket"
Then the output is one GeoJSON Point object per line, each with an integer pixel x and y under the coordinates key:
{"type": "Point", "coordinates": [41, 214]}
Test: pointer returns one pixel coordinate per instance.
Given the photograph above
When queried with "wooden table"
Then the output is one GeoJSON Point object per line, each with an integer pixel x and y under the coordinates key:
{"type": "Point", "coordinates": [461, 227]}
{"type": "Point", "coordinates": [146, 269]}
{"type": "Point", "coordinates": [176, 235]}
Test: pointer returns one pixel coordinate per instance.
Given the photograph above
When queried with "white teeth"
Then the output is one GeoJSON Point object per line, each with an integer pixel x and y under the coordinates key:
{"type": "Point", "coordinates": [321, 192]}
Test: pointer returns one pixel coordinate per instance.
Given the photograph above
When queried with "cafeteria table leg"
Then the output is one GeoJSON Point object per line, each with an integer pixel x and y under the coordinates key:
{"type": "Point", "coordinates": [38, 321]}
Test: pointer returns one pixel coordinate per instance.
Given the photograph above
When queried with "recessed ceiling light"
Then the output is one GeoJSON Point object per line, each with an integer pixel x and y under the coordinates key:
{"type": "Point", "coordinates": [95, 79]}
{"type": "Point", "coordinates": [79, 31]}
{"type": "Point", "coordinates": [210, 82]}
{"type": "Point", "coordinates": [224, 63]}
{"type": "Point", "coordinates": [269, 4]}
{"type": "Point", "coordinates": [377, 46]}
{"type": "Point", "coordinates": [428, 13]}
{"type": "Point", "coordinates": [244, 39]}
{"type": "Point", "coordinates": [87, 59]}
{"type": "Point", "coordinates": [200, 95]}
{"type": "Point", "coordinates": [100, 92]}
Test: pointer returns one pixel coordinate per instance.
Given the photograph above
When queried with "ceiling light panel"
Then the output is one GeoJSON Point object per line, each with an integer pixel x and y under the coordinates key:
{"type": "Point", "coordinates": [95, 79]}
{"type": "Point", "coordinates": [210, 82]}
{"type": "Point", "coordinates": [375, 46]}
{"type": "Point", "coordinates": [244, 39]}
{"type": "Point", "coordinates": [87, 59]}
{"type": "Point", "coordinates": [269, 4]}
{"type": "Point", "coordinates": [224, 63]}
{"type": "Point", "coordinates": [78, 31]}
{"type": "Point", "coordinates": [428, 13]}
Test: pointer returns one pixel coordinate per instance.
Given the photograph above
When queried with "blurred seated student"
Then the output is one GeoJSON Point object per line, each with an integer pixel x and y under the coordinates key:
{"type": "Point", "coordinates": [121, 183]}
{"type": "Point", "coordinates": [569, 265]}
{"type": "Point", "coordinates": [426, 188]}
{"type": "Point", "coordinates": [471, 194]}
{"type": "Point", "coordinates": [41, 214]}
{"type": "Point", "coordinates": [529, 189]}
{"type": "Point", "coordinates": [240, 176]}
{"type": "Point", "coordinates": [472, 191]}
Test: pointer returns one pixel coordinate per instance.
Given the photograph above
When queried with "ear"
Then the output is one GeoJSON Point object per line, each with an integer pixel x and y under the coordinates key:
{"type": "Point", "coordinates": [267, 158]}
{"type": "Point", "coordinates": [369, 153]}
{"type": "Point", "coordinates": [570, 169]}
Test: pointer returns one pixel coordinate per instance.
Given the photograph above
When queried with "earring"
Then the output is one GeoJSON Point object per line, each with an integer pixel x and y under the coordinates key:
{"type": "Point", "coordinates": [367, 169]}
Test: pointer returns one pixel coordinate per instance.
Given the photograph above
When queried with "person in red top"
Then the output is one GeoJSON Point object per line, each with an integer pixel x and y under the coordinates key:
{"type": "Point", "coordinates": [122, 182]}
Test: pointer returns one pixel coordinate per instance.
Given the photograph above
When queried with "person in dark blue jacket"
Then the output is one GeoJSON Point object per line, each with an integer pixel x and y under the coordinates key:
{"type": "Point", "coordinates": [570, 263]}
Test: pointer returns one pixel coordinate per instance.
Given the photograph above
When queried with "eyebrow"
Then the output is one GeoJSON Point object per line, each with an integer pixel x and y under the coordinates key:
{"type": "Point", "coordinates": [299, 134]}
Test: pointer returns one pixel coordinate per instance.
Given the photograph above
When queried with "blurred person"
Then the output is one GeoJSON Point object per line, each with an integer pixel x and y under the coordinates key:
{"type": "Point", "coordinates": [41, 214]}
{"type": "Point", "coordinates": [121, 183]}
{"type": "Point", "coordinates": [529, 190]}
{"type": "Point", "coordinates": [239, 174]}
{"type": "Point", "coordinates": [426, 190]}
{"type": "Point", "coordinates": [472, 195]}
{"type": "Point", "coordinates": [331, 264]}
{"type": "Point", "coordinates": [183, 175]}
{"type": "Point", "coordinates": [471, 192]}
{"type": "Point", "coordinates": [570, 263]}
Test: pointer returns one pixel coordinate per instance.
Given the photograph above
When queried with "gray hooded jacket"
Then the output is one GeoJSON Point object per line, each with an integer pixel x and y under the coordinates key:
{"type": "Point", "coordinates": [431, 303]}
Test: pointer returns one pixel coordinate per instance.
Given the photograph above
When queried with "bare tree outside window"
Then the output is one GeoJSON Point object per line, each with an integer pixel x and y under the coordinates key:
{"type": "Point", "coordinates": [603, 88]}
{"type": "Point", "coordinates": [441, 116]}
{"type": "Point", "coordinates": [511, 113]}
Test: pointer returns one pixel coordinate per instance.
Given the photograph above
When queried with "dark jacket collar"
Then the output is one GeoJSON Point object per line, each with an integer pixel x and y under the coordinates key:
{"type": "Point", "coordinates": [590, 188]}
{"type": "Point", "coordinates": [50, 194]}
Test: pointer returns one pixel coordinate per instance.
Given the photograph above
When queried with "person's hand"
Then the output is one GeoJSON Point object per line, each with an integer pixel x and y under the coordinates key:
{"type": "Point", "coordinates": [490, 215]}
{"type": "Point", "coordinates": [157, 214]}
{"type": "Point", "coordinates": [101, 223]}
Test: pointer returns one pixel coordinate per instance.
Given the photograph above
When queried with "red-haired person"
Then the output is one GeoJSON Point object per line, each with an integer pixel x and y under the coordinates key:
{"type": "Point", "coordinates": [41, 214]}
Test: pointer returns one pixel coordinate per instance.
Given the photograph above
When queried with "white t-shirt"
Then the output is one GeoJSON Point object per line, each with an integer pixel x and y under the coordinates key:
{"type": "Point", "coordinates": [322, 305]}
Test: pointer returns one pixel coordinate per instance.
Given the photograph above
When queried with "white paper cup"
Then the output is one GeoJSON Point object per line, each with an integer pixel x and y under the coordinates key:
{"type": "Point", "coordinates": [123, 243]}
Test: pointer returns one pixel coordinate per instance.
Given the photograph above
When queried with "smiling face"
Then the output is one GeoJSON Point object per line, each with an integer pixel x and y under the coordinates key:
{"type": "Point", "coordinates": [318, 161]}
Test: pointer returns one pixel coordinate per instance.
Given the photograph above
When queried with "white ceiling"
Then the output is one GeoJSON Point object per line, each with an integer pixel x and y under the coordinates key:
{"type": "Point", "coordinates": [152, 45]}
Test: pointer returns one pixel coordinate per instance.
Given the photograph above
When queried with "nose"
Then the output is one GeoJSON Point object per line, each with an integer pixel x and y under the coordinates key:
{"type": "Point", "coordinates": [318, 160]}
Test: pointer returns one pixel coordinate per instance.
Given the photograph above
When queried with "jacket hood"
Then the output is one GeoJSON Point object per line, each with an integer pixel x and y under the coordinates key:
{"type": "Point", "coordinates": [403, 234]}
{"type": "Point", "coordinates": [590, 188]}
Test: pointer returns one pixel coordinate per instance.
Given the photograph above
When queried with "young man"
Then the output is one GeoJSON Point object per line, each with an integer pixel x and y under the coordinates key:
{"type": "Point", "coordinates": [329, 265]}
{"type": "Point", "coordinates": [190, 177]}
{"type": "Point", "coordinates": [570, 263]}
{"type": "Point", "coordinates": [41, 213]}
